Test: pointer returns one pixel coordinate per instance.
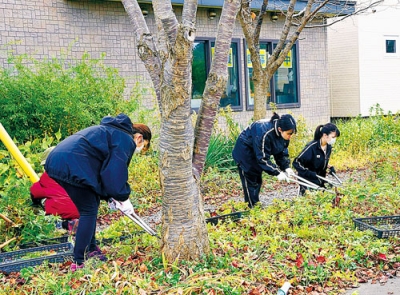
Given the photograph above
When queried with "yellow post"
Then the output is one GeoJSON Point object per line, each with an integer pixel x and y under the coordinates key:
{"type": "Point", "coordinates": [15, 152]}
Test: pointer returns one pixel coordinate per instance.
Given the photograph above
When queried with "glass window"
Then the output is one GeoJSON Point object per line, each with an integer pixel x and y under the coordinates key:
{"type": "Point", "coordinates": [285, 80]}
{"type": "Point", "coordinates": [202, 54]}
{"type": "Point", "coordinates": [264, 53]}
{"type": "Point", "coordinates": [199, 72]}
{"type": "Point", "coordinates": [284, 87]}
{"type": "Point", "coordinates": [390, 46]}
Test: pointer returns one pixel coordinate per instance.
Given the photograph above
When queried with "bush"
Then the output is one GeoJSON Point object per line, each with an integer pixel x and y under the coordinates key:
{"type": "Point", "coordinates": [42, 97]}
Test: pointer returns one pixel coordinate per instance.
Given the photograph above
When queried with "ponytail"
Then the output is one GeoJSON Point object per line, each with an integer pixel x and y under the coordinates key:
{"type": "Point", "coordinates": [275, 116]}
{"type": "Point", "coordinates": [285, 122]}
{"type": "Point", "coordinates": [325, 129]}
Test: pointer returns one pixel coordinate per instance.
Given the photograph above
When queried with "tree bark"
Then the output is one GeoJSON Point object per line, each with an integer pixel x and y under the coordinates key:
{"type": "Point", "coordinates": [216, 82]}
{"type": "Point", "coordinates": [184, 231]}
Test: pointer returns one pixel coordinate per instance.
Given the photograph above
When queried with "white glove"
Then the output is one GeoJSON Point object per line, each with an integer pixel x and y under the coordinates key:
{"type": "Point", "coordinates": [111, 204]}
{"type": "Point", "coordinates": [290, 172]}
{"type": "Point", "coordinates": [126, 206]}
{"type": "Point", "coordinates": [283, 177]}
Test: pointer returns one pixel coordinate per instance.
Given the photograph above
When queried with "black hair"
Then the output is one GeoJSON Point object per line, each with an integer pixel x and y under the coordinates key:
{"type": "Point", "coordinates": [327, 129]}
{"type": "Point", "coordinates": [285, 122]}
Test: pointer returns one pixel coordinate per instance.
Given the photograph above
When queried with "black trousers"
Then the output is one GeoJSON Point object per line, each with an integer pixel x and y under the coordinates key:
{"type": "Point", "coordinates": [251, 183]}
{"type": "Point", "coordinates": [87, 202]}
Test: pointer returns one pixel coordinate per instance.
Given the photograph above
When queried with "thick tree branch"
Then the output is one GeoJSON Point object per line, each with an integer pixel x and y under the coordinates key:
{"type": "Point", "coordinates": [215, 84]}
{"type": "Point", "coordinates": [147, 48]}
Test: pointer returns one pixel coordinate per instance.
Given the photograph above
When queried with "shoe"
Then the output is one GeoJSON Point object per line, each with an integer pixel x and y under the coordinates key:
{"type": "Point", "coordinates": [97, 254]}
{"type": "Point", "coordinates": [75, 266]}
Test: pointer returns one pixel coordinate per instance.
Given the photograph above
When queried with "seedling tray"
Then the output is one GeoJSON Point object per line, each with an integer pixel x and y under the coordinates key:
{"type": "Point", "coordinates": [16, 260]}
{"type": "Point", "coordinates": [58, 240]}
{"type": "Point", "coordinates": [381, 226]}
{"type": "Point", "coordinates": [232, 216]}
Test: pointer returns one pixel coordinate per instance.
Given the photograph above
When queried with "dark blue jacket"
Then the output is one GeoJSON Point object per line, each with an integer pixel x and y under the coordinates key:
{"type": "Point", "coordinates": [312, 161]}
{"type": "Point", "coordinates": [255, 146]}
{"type": "Point", "coordinates": [96, 157]}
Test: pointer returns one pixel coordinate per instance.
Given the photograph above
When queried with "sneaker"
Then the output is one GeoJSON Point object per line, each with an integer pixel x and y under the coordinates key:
{"type": "Point", "coordinates": [75, 266]}
{"type": "Point", "coordinates": [97, 254]}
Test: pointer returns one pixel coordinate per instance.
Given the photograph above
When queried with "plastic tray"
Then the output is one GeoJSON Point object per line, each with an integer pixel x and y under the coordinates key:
{"type": "Point", "coordinates": [381, 226]}
{"type": "Point", "coordinates": [52, 241]}
{"type": "Point", "coordinates": [232, 216]}
{"type": "Point", "coordinates": [15, 260]}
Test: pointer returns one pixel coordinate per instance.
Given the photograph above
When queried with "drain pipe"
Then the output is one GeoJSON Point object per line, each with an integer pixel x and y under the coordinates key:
{"type": "Point", "coordinates": [16, 153]}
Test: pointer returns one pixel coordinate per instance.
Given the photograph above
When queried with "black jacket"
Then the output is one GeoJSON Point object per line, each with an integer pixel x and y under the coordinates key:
{"type": "Point", "coordinates": [96, 157]}
{"type": "Point", "coordinates": [255, 146]}
{"type": "Point", "coordinates": [312, 161]}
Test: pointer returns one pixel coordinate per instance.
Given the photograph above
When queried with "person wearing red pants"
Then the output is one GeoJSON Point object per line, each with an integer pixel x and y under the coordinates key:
{"type": "Point", "coordinates": [92, 165]}
{"type": "Point", "coordinates": [54, 199]}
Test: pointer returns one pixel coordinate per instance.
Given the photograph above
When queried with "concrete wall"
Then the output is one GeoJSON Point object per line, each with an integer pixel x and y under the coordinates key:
{"type": "Point", "coordinates": [46, 28]}
{"type": "Point", "coordinates": [343, 52]}
{"type": "Point", "coordinates": [379, 71]}
{"type": "Point", "coordinates": [361, 73]}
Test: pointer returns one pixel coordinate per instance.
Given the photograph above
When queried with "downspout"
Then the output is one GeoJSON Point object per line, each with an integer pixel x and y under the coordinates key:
{"type": "Point", "coordinates": [15, 152]}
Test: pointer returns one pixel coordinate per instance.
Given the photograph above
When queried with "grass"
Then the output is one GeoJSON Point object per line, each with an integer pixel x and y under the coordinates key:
{"type": "Point", "coordinates": [306, 241]}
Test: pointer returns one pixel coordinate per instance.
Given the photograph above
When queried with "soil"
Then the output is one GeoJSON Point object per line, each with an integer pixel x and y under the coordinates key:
{"type": "Point", "coordinates": [286, 191]}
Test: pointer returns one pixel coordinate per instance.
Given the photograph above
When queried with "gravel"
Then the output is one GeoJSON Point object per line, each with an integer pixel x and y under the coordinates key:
{"type": "Point", "coordinates": [280, 191]}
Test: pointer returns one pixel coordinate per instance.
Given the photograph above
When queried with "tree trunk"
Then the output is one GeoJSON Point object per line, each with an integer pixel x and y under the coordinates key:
{"type": "Point", "coordinates": [184, 231]}
{"type": "Point", "coordinates": [215, 85]}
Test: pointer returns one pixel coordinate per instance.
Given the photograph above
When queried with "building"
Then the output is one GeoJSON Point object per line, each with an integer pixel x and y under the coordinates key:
{"type": "Point", "coordinates": [46, 28]}
{"type": "Point", "coordinates": [364, 61]}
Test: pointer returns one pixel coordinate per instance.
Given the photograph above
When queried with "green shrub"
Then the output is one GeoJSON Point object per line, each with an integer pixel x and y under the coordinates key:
{"type": "Point", "coordinates": [43, 96]}
{"type": "Point", "coordinates": [362, 137]}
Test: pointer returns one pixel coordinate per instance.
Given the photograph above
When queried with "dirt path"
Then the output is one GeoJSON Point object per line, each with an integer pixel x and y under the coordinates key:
{"type": "Point", "coordinates": [279, 191]}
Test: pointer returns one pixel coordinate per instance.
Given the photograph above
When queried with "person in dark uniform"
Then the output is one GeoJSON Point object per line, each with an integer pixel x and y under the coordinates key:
{"type": "Point", "coordinates": [314, 158]}
{"type": "Point", "coordinates": [91, 165]}
{"type": "Point", "coordinates": [254, 148]}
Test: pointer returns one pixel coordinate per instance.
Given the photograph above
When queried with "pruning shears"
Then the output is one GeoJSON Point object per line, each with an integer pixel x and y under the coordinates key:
{"type": "Point", "coordinates": [135, 218]}
{"type": "Point", "coordinates": [304, 182]}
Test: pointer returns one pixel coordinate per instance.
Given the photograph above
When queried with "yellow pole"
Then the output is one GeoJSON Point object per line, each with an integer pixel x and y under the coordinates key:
{"type": "Point", "coordinates": [15, 152]}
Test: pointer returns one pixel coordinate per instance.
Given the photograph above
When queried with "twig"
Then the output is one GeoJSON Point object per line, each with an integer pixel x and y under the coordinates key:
{"type": "Point", "coordinates": [7, 242]}
{"type": "Point", "coordinates": [7, 220]}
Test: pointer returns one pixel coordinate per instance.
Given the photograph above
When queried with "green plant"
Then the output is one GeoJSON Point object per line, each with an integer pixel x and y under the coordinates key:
{"type": "Point", "coordinates": [42, 96]}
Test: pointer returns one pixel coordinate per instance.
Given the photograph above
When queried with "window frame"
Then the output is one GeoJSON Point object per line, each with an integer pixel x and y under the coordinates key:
{"type": "Point", "coordinates": [208, 41]}
{"type": "Point", "coordinates": [395, 38]}
{"type": "Point", "coordinates": [291, 105]}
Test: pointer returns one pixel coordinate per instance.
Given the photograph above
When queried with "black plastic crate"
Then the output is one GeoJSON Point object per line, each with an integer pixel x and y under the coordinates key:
{"type": "Point", "coordinates": [381, 226]}
{"type": "Point", "coordinates": [52, 241]}
{"type": "Point", "coordinates": [16, 260]}
{"type": "Point", "coordinates": [232, 216]}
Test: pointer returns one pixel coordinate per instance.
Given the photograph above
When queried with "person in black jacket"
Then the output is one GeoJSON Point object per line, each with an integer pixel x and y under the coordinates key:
{"type": "Point", "coordinates": [254, 148]}
{"type": "Point", "coordinates": [314, 159]}
{"type": "Point", "coordinates": [92, 164]}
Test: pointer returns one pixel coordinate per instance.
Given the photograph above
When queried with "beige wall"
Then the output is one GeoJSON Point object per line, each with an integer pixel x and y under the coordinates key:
{"type": "Point", "coordinates": [45, 28]}
{"type": "Point", "coordinates": [343, 52]}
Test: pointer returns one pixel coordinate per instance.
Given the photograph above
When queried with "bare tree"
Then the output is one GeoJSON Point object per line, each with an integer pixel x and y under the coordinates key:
{"type": "Point", "coordinates": [295, 23]}
{"type": "Point", "coordinates": [168, 59]}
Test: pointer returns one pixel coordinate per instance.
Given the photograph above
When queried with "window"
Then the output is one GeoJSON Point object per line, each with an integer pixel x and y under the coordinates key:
{"type": "Point", "coordinates": [199, 72]}
{"type": "Point", "coordinates": [390, 46]}
{"type": "Point", "coordinates": [202, 56]}
{"type": "Point", "coordinates": [284, 86]}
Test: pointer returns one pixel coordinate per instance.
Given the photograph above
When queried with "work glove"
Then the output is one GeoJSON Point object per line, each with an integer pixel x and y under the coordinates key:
{"type": "Point", "coordinates": [111, 204]}
{"type": "Point", "coordinates": [125, 206]}
{"type": "Point", "coordinates": [332, 170]}
{"type": "Point", "coordinates": [290, 172]}
{"type": "Point", "coordinates": [283, 177]}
